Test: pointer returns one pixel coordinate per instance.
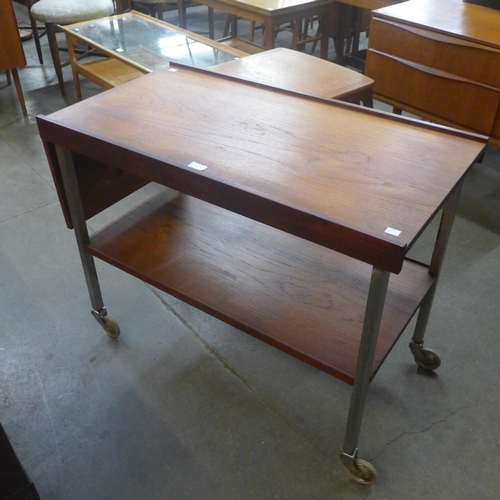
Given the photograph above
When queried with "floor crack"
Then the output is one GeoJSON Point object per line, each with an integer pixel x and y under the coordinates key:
{"type": "Point", "coordinates": [437, 422]}
{"type": "Point", "coordinates": [43, 205]}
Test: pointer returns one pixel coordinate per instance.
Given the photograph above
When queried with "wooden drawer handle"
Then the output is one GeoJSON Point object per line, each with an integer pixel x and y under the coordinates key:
{"type": "Point", "coordinates": [438, 37]}
{"type": "Point", "coordinates": [433, 71]}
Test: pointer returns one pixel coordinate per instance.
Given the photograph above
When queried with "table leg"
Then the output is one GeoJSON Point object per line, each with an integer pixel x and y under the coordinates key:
{"type": "Point", "coordinates": [323, 40]}
{"type": "Point", "coordinates": [72, 192]}
{"type": "Point", "coordinates": [348, 15]}
{"type": "Point", "coordinates": [361, 470]}
{"type": "Point", "coordinates": [296, 32]}
{"type": "Point", "coordinates": [268, 35]}
{"type": "Point", "coordinates": [424, 357]}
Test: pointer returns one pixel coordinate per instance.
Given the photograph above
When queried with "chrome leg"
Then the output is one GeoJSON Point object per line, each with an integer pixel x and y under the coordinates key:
{"type": "Point", "coordinates": [71, 190]}
{"type": "Point", "coordinates": [424, 357]}
{"type": "Point", "coordinates": [361, 470]}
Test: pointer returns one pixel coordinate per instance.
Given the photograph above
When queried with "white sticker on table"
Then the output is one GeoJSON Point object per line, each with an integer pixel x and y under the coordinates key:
{"type": "Point", "coordinates": [394, 232]}
{"type": "Point", "coordinates": [197, 166]}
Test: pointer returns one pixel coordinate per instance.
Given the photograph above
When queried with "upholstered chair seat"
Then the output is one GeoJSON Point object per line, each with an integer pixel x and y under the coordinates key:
{"type": "Point", "coordinates": [61, 12]}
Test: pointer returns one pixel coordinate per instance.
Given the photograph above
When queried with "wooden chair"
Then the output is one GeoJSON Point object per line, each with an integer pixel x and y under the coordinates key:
{"type": "Point", "coordinates": [11, 48]}
{"type": "Point", "coordinates": [156, 8]}
{"type": "Point", "coordinates": [60, 12]}
{"type": "Point", "coordinates": [298, 28]}
{"type": "Point", "coordinates": [344, 24]}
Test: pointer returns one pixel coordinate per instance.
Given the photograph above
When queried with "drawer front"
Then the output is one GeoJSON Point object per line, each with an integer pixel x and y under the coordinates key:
{"type": "Point", "coordinates": [454, 55]}
{"type": "Point", "coordinates": [437, 93]}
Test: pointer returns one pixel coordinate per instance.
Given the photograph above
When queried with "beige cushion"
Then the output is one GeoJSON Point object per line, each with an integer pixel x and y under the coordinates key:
{"type": "Point", "coordinates": [71, 11]}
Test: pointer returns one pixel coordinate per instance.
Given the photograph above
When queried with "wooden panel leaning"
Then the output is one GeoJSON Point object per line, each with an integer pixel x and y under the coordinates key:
{"type": "Point", "coordinates": [293, 70]}
{"type": "Point", "coordinates": [11, 49]}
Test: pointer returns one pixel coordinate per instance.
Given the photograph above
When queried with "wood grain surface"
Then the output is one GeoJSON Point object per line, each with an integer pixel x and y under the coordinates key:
{"type": "Point", "coordinates": [300, 297]}
{"type": "Point", "coordinates": [330, 172]}
{"type": "Point", "coordinates": [468, 21]}
{"type": "Point", "coordinates": [294, 70]}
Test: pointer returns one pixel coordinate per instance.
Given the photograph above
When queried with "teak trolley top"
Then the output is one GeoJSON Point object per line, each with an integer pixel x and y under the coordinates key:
{"type": "Point", "coordinates": [264, 184]}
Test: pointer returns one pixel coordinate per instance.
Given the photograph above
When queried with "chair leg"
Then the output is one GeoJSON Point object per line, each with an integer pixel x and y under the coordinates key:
{"type": "Point", "coordinates": [234, 26]}
{"type": "Point", "coordinates": [36, 35]}
{"type": "Point", "coordinates": [38, 46]}
{"type": "Point", "coordinates": [227, 26]}
{"type": "Point", "coordinates": [159, 11]}
{"type": "Point", "coordinates": [181, 10]}
{"type": "Point", "coordinates": [211, 24]}
{"type": "Point", "coordinates": [19, 90]}
{"type": "Point", "coordinates": [51, 29]}
{"type": "Point", "coordinates": [251, 31]}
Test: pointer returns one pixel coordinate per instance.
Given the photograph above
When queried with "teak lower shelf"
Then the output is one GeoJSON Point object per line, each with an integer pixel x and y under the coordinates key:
{"type": "Point", "coordinates": [300, 297]}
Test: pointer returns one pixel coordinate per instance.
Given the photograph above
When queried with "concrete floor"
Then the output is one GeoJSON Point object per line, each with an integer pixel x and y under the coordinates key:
{"type": "Point", "coordinates": [185, 407]}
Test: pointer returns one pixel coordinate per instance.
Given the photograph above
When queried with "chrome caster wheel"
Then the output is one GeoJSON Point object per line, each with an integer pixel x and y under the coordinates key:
{"type": "Point", "coordinates": [362, 471]}
{"type": "Point", "coordinates": [109, 324]}
{"type": "Point", "coordinates": [427, 359]}
{"type": "Point", "coordinates": [110, 327]}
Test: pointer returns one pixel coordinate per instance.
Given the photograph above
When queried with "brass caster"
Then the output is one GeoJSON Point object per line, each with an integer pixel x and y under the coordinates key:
{"type": "Point", "coordinates": [362, 471]}
{"type": "Point", "coordinates": [427, 359]}
{"type": "Point", "coordinates": [109, 324]}
{"type": "Point", "coordinates": [111, 327]}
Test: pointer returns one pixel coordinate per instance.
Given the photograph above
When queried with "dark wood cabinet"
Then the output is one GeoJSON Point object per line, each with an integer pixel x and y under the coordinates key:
{"type": "Point", "coordinates": [15, 484]}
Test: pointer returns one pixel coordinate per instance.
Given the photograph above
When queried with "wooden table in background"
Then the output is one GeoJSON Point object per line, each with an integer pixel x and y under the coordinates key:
{"type": "Point", "coordinates": [135, 44]}
{"type": "Point", "coordinates": [344, 22]}
{"type": "Point", "coordinates": [285, 215]}
{"type": "Point", "coordinates": [271, 13]}
{"type": "Point", "coordinates": [294, 70]}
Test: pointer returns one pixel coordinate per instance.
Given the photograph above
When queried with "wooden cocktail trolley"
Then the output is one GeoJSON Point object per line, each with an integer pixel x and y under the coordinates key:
{"type": "Point", "coordinates": [287, 216]}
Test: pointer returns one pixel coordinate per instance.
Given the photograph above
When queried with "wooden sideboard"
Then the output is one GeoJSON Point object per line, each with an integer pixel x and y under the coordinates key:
{"type": "Point", "coordinates": [439, 59]}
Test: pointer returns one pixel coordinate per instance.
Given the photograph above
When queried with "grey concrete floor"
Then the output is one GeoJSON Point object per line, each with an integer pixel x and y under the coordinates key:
{"type": "Point", "coordinates": [182, 406]}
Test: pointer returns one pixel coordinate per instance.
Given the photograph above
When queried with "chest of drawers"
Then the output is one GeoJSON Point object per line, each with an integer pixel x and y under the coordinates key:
{"type": "Point", "coordinates": [440, 60]}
